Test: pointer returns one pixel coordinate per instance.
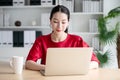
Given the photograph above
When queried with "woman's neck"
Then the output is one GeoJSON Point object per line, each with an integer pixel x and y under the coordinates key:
{"type": "Point", "coordinates": [58, 37]}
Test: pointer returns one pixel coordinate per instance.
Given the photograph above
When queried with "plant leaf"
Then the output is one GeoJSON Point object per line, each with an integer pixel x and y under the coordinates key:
{"type": "Point", "coordinates": [105, 36]}
{"type": "Point", "coordinates": [103, 57]}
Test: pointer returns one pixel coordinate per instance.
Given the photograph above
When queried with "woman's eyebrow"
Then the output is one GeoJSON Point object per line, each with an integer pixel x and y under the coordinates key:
{"type": "Point", "coordinates": [55, 19]}
{"type": "Point", "coordinates": [64, 20]}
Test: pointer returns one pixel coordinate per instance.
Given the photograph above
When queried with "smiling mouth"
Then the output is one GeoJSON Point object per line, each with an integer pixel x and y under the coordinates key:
{"type": "Point", "coordinates": [58, 30]}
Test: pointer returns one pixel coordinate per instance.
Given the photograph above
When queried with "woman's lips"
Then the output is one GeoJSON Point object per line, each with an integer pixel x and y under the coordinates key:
{"type": "Point", "coordinates": [58, 30]}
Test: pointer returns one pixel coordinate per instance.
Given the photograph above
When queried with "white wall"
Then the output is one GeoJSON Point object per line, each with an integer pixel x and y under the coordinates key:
{"type": "Point", "coordinates": [110, 4]}
{"type": "Point", "coordinates": [7, 53]}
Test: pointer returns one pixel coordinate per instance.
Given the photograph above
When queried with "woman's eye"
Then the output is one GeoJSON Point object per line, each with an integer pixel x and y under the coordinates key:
{"type": "Point", "coordinates": [63, 22]}
{"type": "Point", "coordinates": [55, 21]}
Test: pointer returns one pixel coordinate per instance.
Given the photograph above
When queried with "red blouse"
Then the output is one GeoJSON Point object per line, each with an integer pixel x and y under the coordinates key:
{"type": "Point", "coordinates": [39, 48]}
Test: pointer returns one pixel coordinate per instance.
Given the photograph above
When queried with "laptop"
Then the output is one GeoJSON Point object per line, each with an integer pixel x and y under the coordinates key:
{"type": "Point", "coordinates": [67, 61]}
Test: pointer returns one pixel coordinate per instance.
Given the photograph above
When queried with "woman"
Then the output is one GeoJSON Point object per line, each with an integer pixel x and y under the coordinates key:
{"type": "Point", "coordinates": [59, 22]}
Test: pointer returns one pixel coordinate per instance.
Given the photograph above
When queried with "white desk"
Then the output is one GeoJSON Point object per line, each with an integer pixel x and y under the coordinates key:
{"type": "Point", "coordinates": [6, 73]}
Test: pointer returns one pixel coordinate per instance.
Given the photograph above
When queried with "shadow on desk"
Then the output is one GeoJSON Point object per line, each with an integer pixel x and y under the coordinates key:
{"type": "Point", "coordinates": [5, 72]}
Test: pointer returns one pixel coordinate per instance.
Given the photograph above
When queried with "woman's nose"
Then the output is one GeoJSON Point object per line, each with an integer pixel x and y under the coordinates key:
{"type": "Point", "coordinates": [59, 24]}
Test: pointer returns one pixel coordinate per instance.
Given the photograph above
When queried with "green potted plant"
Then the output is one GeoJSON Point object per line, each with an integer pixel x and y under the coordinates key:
{"type": "Point", "coordinates": [103, 57]}
{"type": "Point", "coordinates": [107, 36]}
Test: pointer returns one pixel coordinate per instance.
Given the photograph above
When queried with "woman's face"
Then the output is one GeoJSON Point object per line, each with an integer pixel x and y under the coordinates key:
{"type": "Point", "coordinates": [59, 22]}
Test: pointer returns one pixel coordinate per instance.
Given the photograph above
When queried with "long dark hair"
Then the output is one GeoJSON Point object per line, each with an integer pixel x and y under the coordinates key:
{"type": "Point", "coordinates": [60, 8]}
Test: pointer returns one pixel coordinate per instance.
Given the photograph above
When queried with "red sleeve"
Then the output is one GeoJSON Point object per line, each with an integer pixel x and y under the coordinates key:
{"type": "Point", "coordinates": [35, 52]}
{"type": "Point", "coordinates": [94, 58]}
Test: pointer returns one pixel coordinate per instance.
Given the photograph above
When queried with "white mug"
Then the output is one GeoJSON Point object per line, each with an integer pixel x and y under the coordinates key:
{"type": "Point", "coordinates": [16, 63]}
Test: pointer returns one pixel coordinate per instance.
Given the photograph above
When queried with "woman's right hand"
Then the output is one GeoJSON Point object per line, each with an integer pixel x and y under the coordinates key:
{"type": "Point", "coordinates": [29, 64]}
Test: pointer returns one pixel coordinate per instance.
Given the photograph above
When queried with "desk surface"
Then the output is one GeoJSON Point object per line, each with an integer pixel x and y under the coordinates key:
{"type": "Point", "coordinates": [6, 73]}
